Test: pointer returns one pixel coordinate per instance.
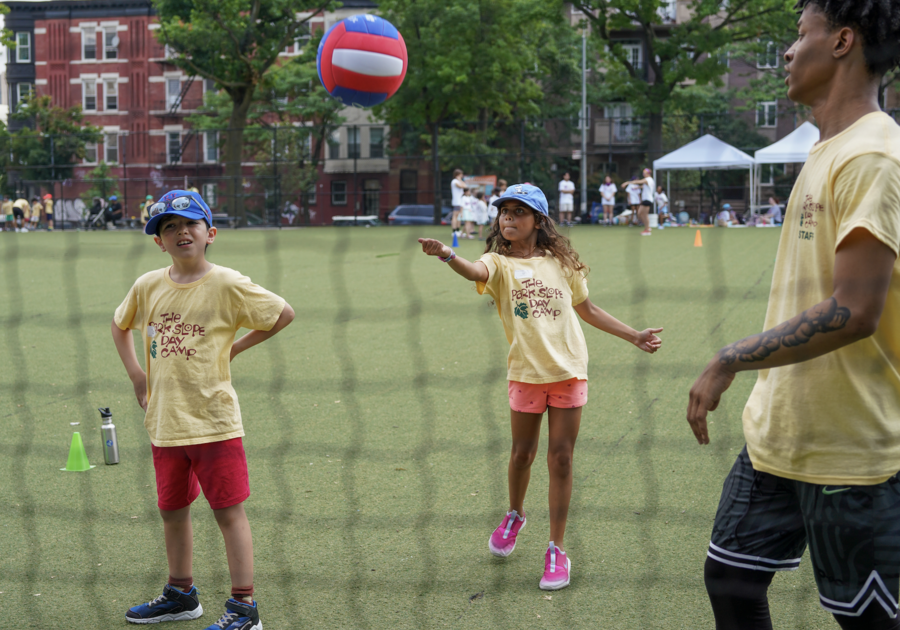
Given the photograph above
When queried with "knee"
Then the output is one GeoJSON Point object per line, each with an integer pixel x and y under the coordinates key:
{"type": "Point", "coordinates": [228, 517]}
{"type": "Point", "coordinates": [521, 457]}
{"type": "Point", "coordinates": [560, 462]}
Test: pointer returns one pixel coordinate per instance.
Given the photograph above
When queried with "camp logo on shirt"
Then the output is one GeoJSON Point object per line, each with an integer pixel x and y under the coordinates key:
{"type": "Point", "coordinates": [809, 218]}
{"type": "Point", "coordinates": [172, 333]}
{"type": "Point", "coordinates": [538, 297]}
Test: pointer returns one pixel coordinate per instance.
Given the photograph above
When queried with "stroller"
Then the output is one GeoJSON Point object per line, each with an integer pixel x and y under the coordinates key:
{"type": "Point", "coordinates": [94, 219]}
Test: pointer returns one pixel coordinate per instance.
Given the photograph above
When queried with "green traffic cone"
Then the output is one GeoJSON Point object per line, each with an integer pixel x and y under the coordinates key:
{"type": "Point", "coordinates": [78, 460]}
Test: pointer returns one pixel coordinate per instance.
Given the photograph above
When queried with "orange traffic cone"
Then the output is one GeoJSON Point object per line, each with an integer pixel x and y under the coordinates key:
{"type": "Point", "coordinates": [698, 240]}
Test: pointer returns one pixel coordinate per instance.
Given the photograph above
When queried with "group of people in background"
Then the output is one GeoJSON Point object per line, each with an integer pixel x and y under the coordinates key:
{"type": "Point", "coordinates": [22, 216]}
{"type": "Point", "coordinates": [472, 207]}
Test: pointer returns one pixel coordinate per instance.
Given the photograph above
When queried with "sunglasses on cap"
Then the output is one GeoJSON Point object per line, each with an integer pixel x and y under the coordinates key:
{"type": "Point", "coordinates": [181, 203]}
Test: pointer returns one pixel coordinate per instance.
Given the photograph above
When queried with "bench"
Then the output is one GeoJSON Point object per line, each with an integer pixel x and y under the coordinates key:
{"type": "Point", "coordinates": [368, 220]}
{"type": "Point", "coordinates": [223, 218]}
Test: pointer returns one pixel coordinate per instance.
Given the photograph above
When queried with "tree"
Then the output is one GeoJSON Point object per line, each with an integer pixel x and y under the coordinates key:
{"type": "Point", "coordinates": [675, 56]}
{"type": "Point", "coordinates": [468, 61]}
{"type": "Point", "coordinates": [57, 142]}
{"type": "Point", "coordinates": [235, 43]}
{"type": "Point", "coordinates": [103, 184]}
{"type": "Point", "coordinates": [288, 124]}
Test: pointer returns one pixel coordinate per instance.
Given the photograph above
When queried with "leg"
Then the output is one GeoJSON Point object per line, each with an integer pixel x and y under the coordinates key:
{"type": "Point", "coordinates": [238, 545]}
{"type": "Point", "coordinates": [526, 431]}
{"type": "Point", "coordinates": [738, 596]}
{"type": "Point", "coordinates": [644, 215]}
{"type": "Point", "coordinates": [179, 535]}
{"type": "Point", "coordinates": [563, 425]}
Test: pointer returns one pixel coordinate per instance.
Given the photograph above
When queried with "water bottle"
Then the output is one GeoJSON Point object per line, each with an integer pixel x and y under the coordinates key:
{"type": "Point", "coordinates": [108, 434]}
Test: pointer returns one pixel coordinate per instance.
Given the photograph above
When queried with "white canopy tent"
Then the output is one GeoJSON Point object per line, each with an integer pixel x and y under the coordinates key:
{"type": "Point", "coordinates": [793, 148]}
{"type": "Point", "coordinates": [708, 153]}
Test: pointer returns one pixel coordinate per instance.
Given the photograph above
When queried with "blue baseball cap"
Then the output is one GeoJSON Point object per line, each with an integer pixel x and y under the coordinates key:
{"type": "Point", "coordinates": [113, 198]}
{"type": "Point", "coordinates": [183, 203]}
{"type": "Point", "coordinates": [726, 206]}
{"type": "Point", "coordinates": [530, 195]}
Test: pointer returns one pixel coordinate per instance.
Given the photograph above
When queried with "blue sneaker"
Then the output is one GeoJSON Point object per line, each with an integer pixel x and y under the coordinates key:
{"type": "Point", "coordinates": [238, 616]}
{"type": "Point", "coordinates": [172, 605]}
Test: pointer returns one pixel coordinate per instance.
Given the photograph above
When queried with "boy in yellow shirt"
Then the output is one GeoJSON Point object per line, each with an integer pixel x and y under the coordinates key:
{"type": "Point", "coordinates": [822, 425]}
{"type": "Point", "coordinates": [48, 210]}
{"type": "Point", "coordinates": [187, 315]}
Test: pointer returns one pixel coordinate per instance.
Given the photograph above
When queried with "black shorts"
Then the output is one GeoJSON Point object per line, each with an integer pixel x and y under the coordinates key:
{"type": "Point", "coordinates": [646, 203]}
{"type": "Point", "coordinates": [764, 523]}
{"type": "Point", "coordinates": [18, 213]}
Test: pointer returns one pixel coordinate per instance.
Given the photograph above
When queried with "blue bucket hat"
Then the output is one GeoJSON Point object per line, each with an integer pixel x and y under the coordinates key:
{"type": "Point", "coordinates": [726, 206]}
{"type": "Point", "coordinates": [183, 203]}
{"type": "Point", "coordinates": [530, 195]}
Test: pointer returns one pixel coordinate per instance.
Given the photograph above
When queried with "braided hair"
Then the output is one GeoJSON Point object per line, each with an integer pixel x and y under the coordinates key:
{"type": "Point", "coordinates": [876, 21]}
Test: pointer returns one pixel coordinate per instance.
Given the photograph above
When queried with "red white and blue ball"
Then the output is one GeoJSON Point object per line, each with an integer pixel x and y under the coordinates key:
{"type": "Point", "coordinates": [362, 60]}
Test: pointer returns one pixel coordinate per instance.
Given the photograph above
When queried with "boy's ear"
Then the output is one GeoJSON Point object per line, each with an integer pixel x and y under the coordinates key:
{"type": "Point", "coordinates": [211, 235]}
{"type": "Point", "coordinates": [160, 243]}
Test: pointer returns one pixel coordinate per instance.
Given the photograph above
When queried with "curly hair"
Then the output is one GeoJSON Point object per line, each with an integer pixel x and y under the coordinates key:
{"type": "Point", "coordinates": [876, 21]}
{"type": "Point", "coordinates": [548, 239]}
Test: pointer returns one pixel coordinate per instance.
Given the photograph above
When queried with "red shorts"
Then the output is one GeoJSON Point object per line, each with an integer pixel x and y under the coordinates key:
{"type": "Point", "coordinates": [532, 398]}
{"type": "Point", "coordinates": [220, 468]}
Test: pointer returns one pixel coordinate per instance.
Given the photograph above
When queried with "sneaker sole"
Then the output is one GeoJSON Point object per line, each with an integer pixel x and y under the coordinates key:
{"type": "Point", "coordinates": [500, 553]}
{"type": "Point", "coordinates": [555, 586]}
{"type": "Point", "coordinates": [187, 615]}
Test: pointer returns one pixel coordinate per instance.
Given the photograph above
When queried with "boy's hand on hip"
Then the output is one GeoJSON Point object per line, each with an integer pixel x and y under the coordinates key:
{"type": "Point", "coordinates": [434, 247]}
{"type": "Point", "coordinates": [705, 396]}
{"type": "Point", "coordinates": [140, 390]}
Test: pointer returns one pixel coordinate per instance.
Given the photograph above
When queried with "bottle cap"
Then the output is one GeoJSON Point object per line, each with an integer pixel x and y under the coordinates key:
{"type": "Point", "coordinates": [105, 412]}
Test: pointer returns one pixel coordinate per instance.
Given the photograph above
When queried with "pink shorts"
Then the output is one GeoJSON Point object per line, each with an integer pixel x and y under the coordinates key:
{"type": "Point", "coordinates": [531, 398]}
{"type": "Point", "coordinates": [220, 468]}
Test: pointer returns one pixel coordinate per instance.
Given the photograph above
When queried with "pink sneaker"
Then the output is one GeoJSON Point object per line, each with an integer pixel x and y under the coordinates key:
{"type": "Point", "coordinates": [556, 569]}
{"type": "Point", "coordinates": [503, 540]}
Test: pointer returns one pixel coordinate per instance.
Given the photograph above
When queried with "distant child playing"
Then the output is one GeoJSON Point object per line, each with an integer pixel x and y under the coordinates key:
{"type": "Point", "coordinates": [539, 286]}
{"type": "Point", "coordinates": [187, 315]}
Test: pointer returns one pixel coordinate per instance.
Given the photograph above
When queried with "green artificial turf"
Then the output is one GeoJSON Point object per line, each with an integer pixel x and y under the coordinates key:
{"type": "Point", "coordinates": [377, 438]}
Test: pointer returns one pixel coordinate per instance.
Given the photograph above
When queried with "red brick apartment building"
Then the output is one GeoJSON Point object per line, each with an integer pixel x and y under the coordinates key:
{"type": "Point", "coordinates": [102, 55]}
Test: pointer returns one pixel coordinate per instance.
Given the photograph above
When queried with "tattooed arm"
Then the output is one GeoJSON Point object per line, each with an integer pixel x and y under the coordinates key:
{"type": "Point", "coordinates": [862, 273]}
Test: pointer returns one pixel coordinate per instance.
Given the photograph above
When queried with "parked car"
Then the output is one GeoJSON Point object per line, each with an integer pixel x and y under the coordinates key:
{"type": "Point", "coordinates": [417, 214]}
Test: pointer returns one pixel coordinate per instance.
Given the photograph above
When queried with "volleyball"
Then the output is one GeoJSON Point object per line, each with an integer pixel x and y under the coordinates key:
{"type": "Point", "coordinates": [362, 60]}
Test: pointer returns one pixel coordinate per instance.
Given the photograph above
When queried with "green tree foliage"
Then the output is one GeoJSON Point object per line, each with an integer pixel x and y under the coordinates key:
{"type": "Point", "coordinates": [469, 60]}
{"type": "Point", "coordinates": [235, 43]}
{"type": "Point", "coordinates": [52, 142]}
{"type": "Point", "coordinates": [103, 184]}
{"type": "Point", "coordinates": [675, 56]}
{"type": "Point", "coordinates": [288, 124]}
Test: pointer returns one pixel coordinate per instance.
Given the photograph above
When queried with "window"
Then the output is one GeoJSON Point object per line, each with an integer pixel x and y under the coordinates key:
{"type": "Point", "coordinates": [111, 148]}
{"type": "Point", "coordinates": [90, 153]}
{"type": "Point", "coordinates": [376, 142]}
{"type": "Point", "coordinates": [89, 90]}
{"type": "Point", "coordinates": [334, 146]}
{"type": "Point", "coordinates": [89, 43]}
{"type": "Point", "coordinates": [111, 92]}
{"type": "Point", "coordinates": [173, 147]}
{"type": "Point", "coordinates": [23, 47]}
{"type": "Point", "coordinates": [353, 142]}
{"type": "Point", "coordinates": [768, 56]}
{"type": "Point", "coordinates": [766, 114]}
{"type": "Point", "coordinates": [301, 38]}
{"type": "Point", "coordinates": [371, 193]}
{"type": "Point", "coordinates": [311, 195]}
{"type": "Point", "coordinates": [668, 11]}
{"type": "Point", "coordinates": [169, 52]}
{"type": "Point", "coordinates": [768, 173]}
{"type": "Point", "coordinates": [408, 186]}
{"type": "Point", "coordinates": [209, 85]}
{"type": "Point", "coordinates": [338, 193]}
{"type": "Point", "coordinates": [626, 128]}
{"type": "Point", "coordinates": [209, 192]}
{"type": "Point", "coordinates": [110, 44]}
{"type": "Point", "coordinates": [173, 92]}
{"type": "Point", "coordinates": [633, 53]}
{"type": "Point", "coordinates": [211, 146]}
{"type": "Point", "coordinates": [24, 91]}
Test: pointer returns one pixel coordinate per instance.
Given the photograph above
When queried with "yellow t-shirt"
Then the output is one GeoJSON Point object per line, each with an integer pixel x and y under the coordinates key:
{"type": "Point", "coordinates": [48, 206]}
{"type": "Point", "coordinates": [6, 208]}
{"type": "Point", "coordinates": [834, 419]}
{"type": "Point", "coordinates": [36, 209]}
{"type": "Point", "coordinates": [534, 298]}
{"type": "Point", "coordinates": [187, 332]}
{"type": "Point", "coordinates": [22, 204]}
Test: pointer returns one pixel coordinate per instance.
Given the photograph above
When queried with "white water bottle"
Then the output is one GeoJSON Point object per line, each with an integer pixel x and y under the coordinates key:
{"type": "Point", "coordinates": [108, 434]}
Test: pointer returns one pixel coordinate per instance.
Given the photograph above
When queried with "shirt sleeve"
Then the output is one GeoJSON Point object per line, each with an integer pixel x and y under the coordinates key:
{"type": "Point", "coordinates": [492, 286]}
{"type": "Point", "coordinates": [128, 313]}
{"type": "Point", "coordinates": [578, 283]}
{"type": "Point", "coordinates": [260, 309]}
{"type": "Point", "coordinates": [867, 195]}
